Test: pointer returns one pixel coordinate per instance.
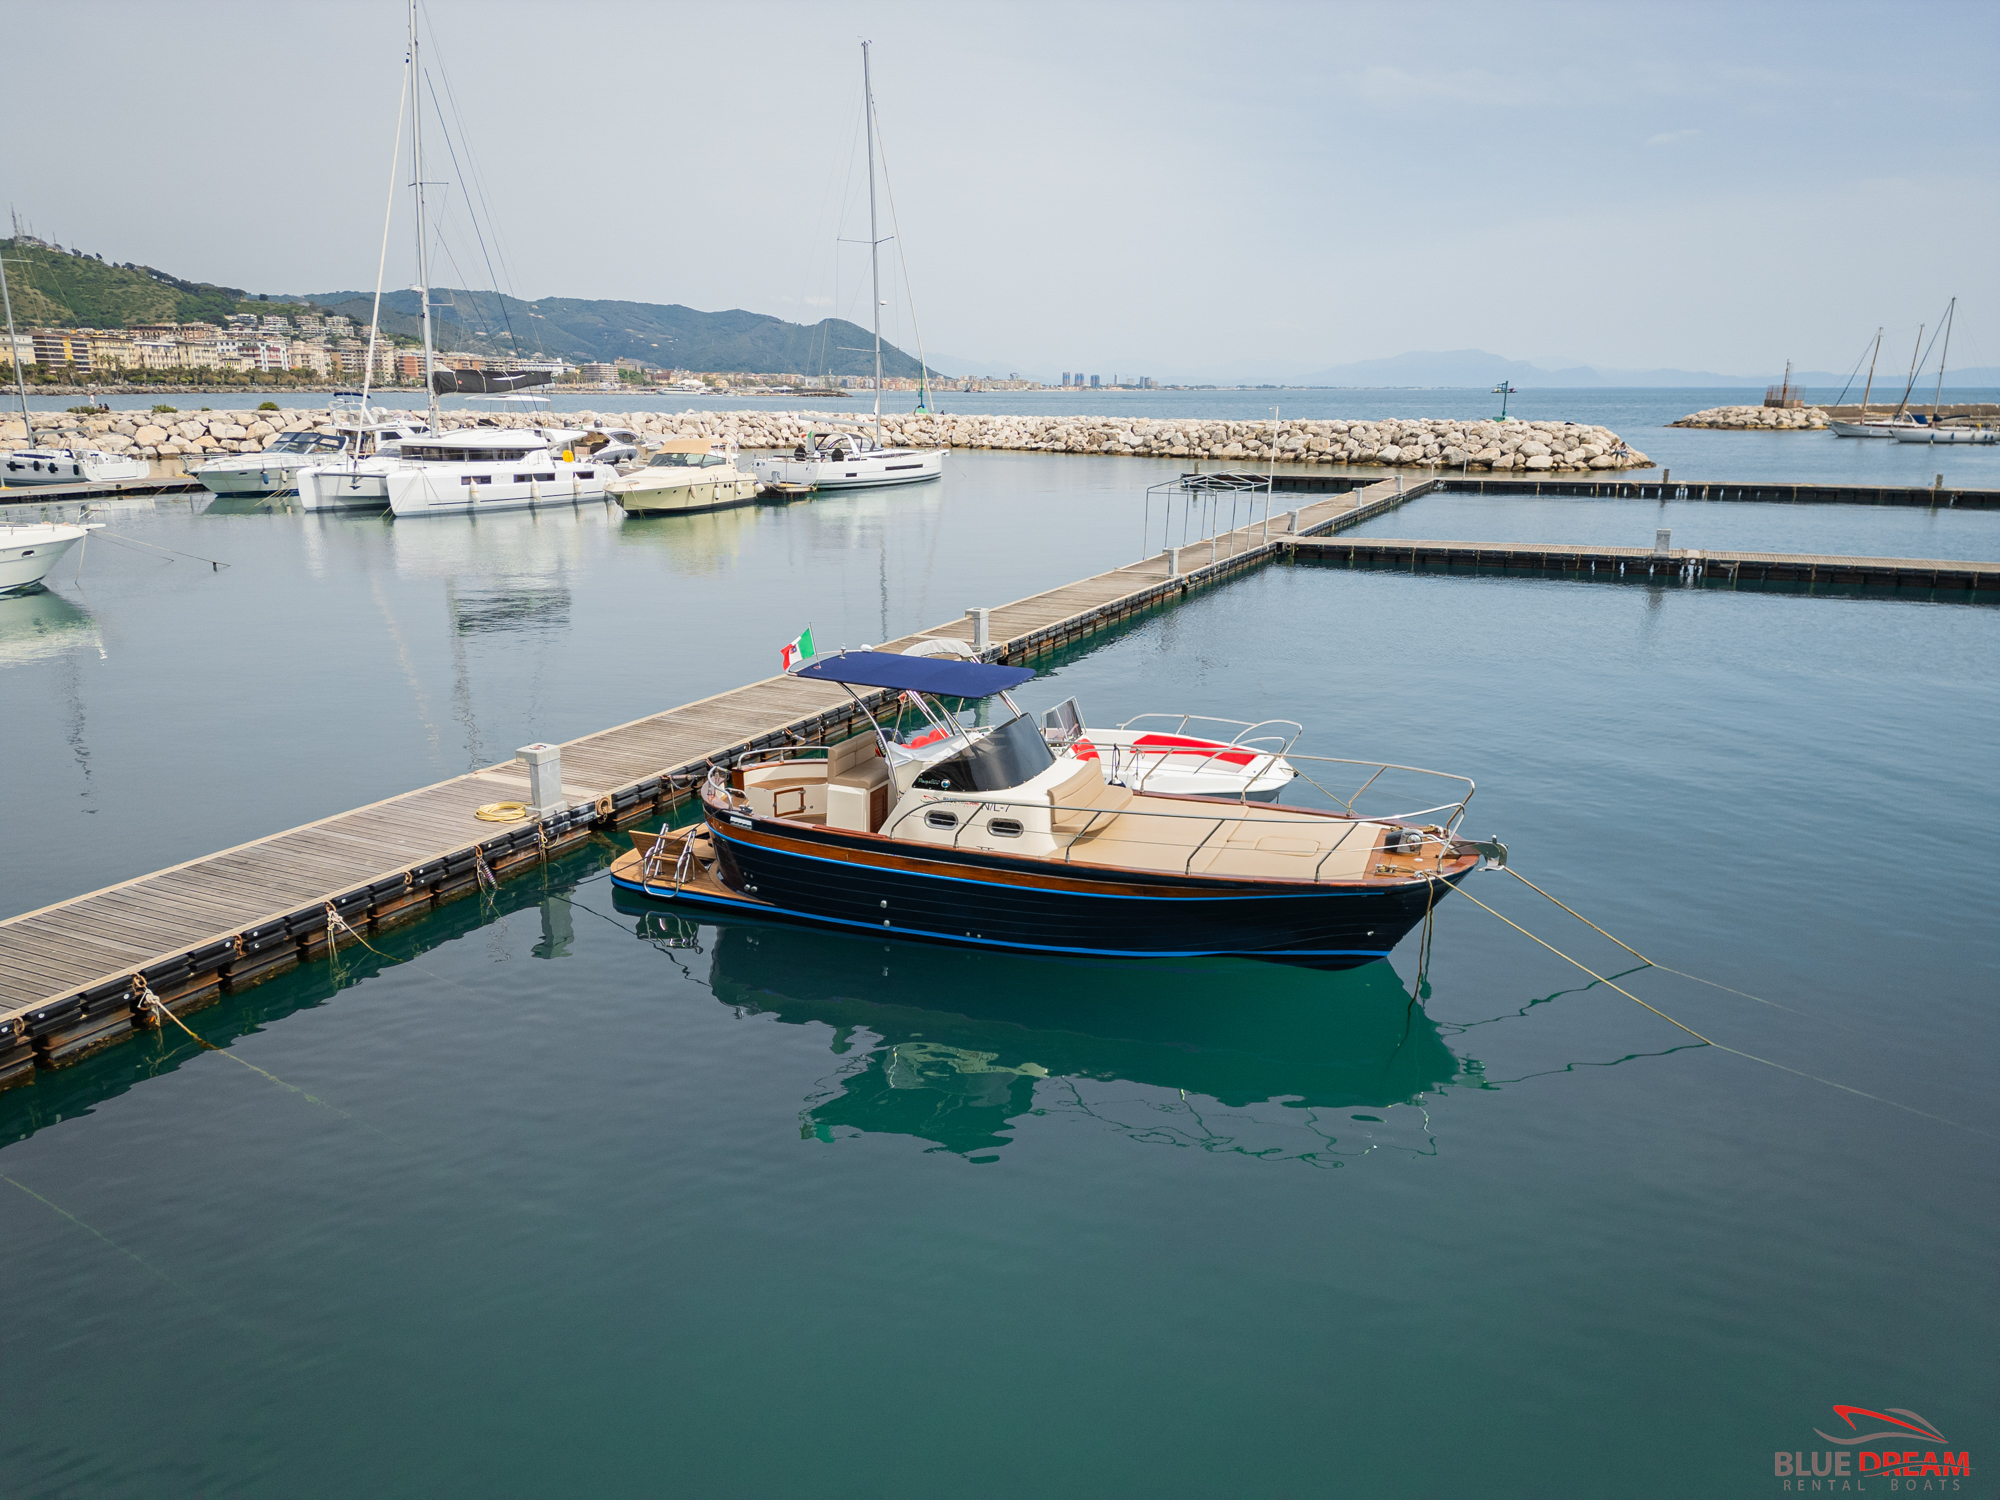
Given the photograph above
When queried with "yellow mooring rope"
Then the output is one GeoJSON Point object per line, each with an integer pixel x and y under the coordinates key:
{"type": "Point", "coordinates": [1706, 1041]}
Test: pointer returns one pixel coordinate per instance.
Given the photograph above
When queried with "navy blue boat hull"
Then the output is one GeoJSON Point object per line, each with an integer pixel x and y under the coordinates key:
{"type": "Point", "coordinates": [987, 901]}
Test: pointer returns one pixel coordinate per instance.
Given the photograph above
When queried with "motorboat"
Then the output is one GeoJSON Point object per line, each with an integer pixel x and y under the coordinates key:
{"type": "Point", "coordinates": [68, 466]}
{"type": "Point", "coordinates": [1164, 753]}
{"type": "Point", "coordinates": [847, 461]}
{"type": "Point", "coordinates": [272, 471]}
{"type": "Point", "coordinates": [27, 552]}
{"type": "Point", "coordinates": [479, 470]}
{"type": "Point", "coordinates": [684, 474]}
{"type": "Point", "coordinates": [986, 836]}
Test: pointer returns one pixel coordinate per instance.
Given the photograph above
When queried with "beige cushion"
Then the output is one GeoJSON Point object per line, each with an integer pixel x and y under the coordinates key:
{"type": "Point", "coordinates": [1081, 797]}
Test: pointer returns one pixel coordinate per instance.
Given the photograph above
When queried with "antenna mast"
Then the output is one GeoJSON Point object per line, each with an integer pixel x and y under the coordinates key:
{"type": "Point", "coordinates": [14, 345]}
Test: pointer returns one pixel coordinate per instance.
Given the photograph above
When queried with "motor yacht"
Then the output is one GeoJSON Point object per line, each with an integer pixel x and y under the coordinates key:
{"type": "Point", "coordinates": [479, 470]}
{"type": "Point", "coordinates": [68, 466]}
{"type": "Point", "coordinates": [987, 836]}
{"type": "Point", "coordinates": [272, 471]}
{"type": "Point", "coordinates": [683, 475]}
{"type": "Point", "coordinates": [27, 552]}
{"type": "Point", "coordinates": [847, 461]}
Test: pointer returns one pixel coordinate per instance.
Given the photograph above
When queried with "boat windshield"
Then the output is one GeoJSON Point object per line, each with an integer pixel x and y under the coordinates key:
{"type": "Point", "coordinates": [305, 442]}
{"type": "Point", "coordinates": [684, 460]}
{"type": "Point", "coordinates": [998, 761]}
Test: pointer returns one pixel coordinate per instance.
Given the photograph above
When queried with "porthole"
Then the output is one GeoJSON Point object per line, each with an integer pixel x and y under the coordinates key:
{"type": "Point", "coordinates": [938, 819]}
{"type": "Point", "coordinates": [1004, 828]}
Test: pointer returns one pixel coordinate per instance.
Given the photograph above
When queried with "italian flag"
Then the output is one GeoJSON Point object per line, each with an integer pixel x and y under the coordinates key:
{"type": "Point", "coordinates": [800, 650]}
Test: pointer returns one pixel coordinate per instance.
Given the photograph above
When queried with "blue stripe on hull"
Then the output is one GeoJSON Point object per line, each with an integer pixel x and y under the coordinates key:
{"type": "Point", "coordinates": [1355, 955]}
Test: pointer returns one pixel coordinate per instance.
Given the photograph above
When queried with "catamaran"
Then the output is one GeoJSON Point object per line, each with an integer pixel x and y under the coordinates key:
{"type": "Point", "coordinates": [852, 460]}
{"type": "Point", "coordinates": [987, 836]}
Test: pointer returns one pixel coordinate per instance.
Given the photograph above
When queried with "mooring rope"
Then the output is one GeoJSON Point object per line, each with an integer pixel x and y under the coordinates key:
{"type": "Point", "coordinates": [1707, 1041]}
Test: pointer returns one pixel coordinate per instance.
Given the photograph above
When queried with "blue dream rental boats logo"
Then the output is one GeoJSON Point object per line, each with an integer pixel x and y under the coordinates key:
{"type": "Point", "coordinates": [1929, 1466]}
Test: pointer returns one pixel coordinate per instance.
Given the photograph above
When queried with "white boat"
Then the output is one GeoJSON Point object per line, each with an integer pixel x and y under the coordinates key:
{"type": "Point", "coordinates": [1875, 427]}
{"type": "Point", "coordinates": [1182, 755]}
{"type": "Point", "coordinates": [1175, 755]}
{"type": "Point", "coordinates": [1930, 434]}
{"type": "Point", "coordinates": [480, 470]}
{"type": "Point", "coordinates": [849, 460]}
{"type": "Point", "coordinates": [31, 465]}
{"type": "Point", "coordinates": [68, 466]}
{"type": "Point", "coordinates": [28, 552]}
{"type": "Point", "coordinates": [846, 461]}
{"type": "Point", "coordinates": [684, 475]}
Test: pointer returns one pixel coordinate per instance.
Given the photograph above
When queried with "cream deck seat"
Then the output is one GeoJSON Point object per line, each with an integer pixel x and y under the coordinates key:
{"type": "Point", "coordinates": [857, 785]}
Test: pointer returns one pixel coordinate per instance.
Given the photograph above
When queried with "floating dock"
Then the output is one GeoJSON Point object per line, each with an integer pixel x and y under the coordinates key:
{"type": "Point", "coordinates": [1767, 492]}
{"type": "Point", "coordinates": [109, 489]}
{"type": "Point", "coordinates": [1981, 579]}
{"type": "Point", "coordinates": [85, 972]}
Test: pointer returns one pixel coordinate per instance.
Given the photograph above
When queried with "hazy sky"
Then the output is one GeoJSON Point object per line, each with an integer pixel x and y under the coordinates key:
{"type": "Point", "coordinates": [1178, 190]}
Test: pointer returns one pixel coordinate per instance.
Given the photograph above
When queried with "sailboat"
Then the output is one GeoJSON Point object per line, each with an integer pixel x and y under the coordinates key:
{"type": "Point", "coordinates": [1897, 421]}
{"type": "Point", "coordinates": [1931, 433]}
{"type": "Point", "coordinates": [32, 465]}
{"type": "Point", "coordinates": [855, 460]}
{"type": "Point", "coordinates": [425, 470]}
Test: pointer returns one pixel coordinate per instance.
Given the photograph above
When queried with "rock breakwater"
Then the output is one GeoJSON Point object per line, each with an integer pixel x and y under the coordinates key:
{"type": "Point", "coordinates": [1757, 419]}
{"type": "Point", "coordinates": [1426, 443]}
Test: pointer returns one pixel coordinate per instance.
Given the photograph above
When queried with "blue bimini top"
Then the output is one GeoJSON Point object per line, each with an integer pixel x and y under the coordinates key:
{"type": "Point", "coordinates": [941, 675]}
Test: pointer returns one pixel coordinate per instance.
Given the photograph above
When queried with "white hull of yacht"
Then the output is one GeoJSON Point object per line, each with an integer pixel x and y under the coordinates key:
{"type": "Point", "coordinates": [1945, 436]}
{"type": "Point", "coordinates": [28, 552]}
{"type": "Point", "coordinates": [62, 466]}
{"type": "Point", "coordinates": [865, 470]}
{"type": "Point", "coordinates": [444, 490]}
{"type": "Point", "coordinates": [247, 479]}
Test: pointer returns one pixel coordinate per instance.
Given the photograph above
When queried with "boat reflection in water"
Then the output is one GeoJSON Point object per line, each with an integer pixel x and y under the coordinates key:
{"type": "Point", "coordinates": [955, 1047]}
{"type": "Point", "coordinates": [42, 625]}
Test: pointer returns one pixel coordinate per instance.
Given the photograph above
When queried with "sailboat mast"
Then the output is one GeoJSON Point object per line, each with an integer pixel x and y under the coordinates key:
{"type": "Point", "coordinates": [1910, 384]}
{"type": "Point", "coordinates": [14, 354]}
{"type": "Point", "coordinates": [423, 255]}
{"type": "Point", "coordinates": [874, 240]}
{"type": "Point", "coordinates": [1871, 374]}
{"type": "Point", "coordinates": [1943, 355]}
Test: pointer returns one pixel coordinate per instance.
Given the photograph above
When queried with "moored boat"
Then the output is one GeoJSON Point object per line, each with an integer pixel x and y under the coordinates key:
{"type": "Point", "coordinates": [27, 552]}
{"type": "Point", "coordinates": [684, 475]}
{"type": "Point", "coordinates": [68, 466]}
{"type": "Point", "coordinates": [987, 836]}
{"type": "Point", "coordinates": [848, 461]}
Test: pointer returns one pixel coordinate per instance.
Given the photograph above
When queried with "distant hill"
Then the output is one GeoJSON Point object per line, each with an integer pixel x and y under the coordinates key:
{"type": "Point", "coordinates": [1471, 368]}
{"type": "Point", "coordinates": [660, 334]}
{"type": "Point", "coordinates": [67, 289]}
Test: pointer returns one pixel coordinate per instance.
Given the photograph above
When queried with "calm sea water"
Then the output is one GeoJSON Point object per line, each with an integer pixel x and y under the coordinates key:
{"type": "Point", "coordinates": [1638, 416]}
{"type": "Point", "coordinates": [570, 1198]}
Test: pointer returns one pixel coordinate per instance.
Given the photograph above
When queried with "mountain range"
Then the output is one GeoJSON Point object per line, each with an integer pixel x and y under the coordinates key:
{"type": "Point", "coordinates": [660, 334]}
{"type": "Point", "coordinates": [1475, 367]}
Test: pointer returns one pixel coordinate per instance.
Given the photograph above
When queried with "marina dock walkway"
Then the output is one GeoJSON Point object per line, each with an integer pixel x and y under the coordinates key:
{"type": "Point", "coordinates": [83, 972]}
{"type": "Point", "coordinates": [1979, 578]}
